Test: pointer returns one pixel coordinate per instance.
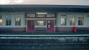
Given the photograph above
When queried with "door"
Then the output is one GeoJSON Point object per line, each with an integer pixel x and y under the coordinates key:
{"type": "Point", "coordinates": [51, 26]}
{"type": "Point", "coordinates": [30, 26]}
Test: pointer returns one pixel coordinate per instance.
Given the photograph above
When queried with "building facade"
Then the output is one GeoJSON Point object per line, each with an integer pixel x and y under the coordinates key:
{"type": "Point", "coordinates": [44, 18]}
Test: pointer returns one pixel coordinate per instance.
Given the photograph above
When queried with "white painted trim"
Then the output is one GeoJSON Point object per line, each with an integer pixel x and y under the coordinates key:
{"type": "Point", "coordinates": [40, 18]}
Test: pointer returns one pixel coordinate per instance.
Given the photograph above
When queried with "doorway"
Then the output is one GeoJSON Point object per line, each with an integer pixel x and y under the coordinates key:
{"type": "Point", "coordinates": [40, 26]}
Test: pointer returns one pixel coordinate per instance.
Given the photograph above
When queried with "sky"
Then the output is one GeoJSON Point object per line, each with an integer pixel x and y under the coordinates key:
{"type": "Point", "coordinates": [45, 2]}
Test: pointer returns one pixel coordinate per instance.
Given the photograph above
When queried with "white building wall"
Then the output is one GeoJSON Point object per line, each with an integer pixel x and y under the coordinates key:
{"type": "Point", "coordinates": [13, 15]}
{"type": "Point", "coordinates": [71, 14]}
{"type": "Point", "coordinates": [58, 17]}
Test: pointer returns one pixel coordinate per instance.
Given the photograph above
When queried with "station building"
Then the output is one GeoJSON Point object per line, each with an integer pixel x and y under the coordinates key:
{"type": "Point", "coordinates": [44, 18]}
{"type": "Point", "coordinates": [19, 23]}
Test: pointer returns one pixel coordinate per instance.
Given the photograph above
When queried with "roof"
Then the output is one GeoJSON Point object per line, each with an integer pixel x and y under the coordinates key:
{"type": "Point", "coordinates": [54, 8]}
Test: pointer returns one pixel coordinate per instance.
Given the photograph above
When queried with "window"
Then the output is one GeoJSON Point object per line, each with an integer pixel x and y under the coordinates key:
{"type": "Point", "coordinates": [72, 20]}
{"type": "Point", "coordinates": [31, 15]}
{"type": "Point", "coordinates": [1, 20]}
{"type": "Point", "coordinates": [18, 21]}
{"type": "Point", "coordinates": [50, 15]}
{"type": "Point", "coordinates": [41, 14]}
{"type": "Point", "coordinates": [80, 20]}
{"type": "Point", "coordinates": [63, 20]}
{"type": "Point", "coordinates": [40, 23]}
{"type": "Point", "coordinates": [8, 20]}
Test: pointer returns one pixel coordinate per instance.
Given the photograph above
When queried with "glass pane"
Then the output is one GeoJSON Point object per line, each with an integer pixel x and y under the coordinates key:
{"type": "Point", "coordinates": [31, 15]}
{"type": "Point", "coordinates": [50, 15]}
{"type": "Point", "coordinates": [18, 21]}
{"type": "Point", "coordinates": [1, 20]}
{"type": "Point", "coordinates": [8, 20]}
{"type": "Point", "coordinates": [40, 23]}
{"type": "Point", "coordinates": [41, 14]}
{"type": "Point", "coordinates": [63, 20]}
{"type": "Point", "coordinates": [72, 21]}
{"type": "Point", "coordinates": [80, 20]}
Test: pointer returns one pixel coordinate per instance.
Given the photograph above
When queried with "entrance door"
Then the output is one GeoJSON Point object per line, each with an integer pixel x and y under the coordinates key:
{"type": "Point", "coordinates": [30, 26]}
{"type": "Point", "coordinates": [50, 26]}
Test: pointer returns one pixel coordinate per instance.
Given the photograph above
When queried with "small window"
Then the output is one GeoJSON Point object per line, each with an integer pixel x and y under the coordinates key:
{"type": "Point", "coordinates": [72, 20]}
{"type": "Point", "coordinates": [63, 20]}
{"type": "Point", "coordinates": [1, 20]}
{"type": "Point", "coordinates": [8, 20]}
{"type": "Point", "coordinates": [18, 21]}
{"type": "Point", "coordinates": [80, 20]}
{"type": "Point", "coordinates": [50, 15]}
{"type": "Point", "coordinates": [41, 14]}
{"type": "Point", "coordinates": [31, 15]}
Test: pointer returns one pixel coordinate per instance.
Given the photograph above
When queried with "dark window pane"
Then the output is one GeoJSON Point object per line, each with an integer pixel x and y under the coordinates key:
{"type": "Point", "coordinates": [81, 21]}
{"type": "Point", "coordinates": [8, 20]}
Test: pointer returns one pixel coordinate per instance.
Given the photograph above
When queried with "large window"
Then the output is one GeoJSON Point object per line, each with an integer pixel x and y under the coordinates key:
{"type": "Point", "coordinates": [18, 21]}
{"type": "Point", "coordinates": [72, 20]}
{"type": "Point", "coordinates": [40, 23]}
{"type": "Point", "coordinates": [80, 20]}
{"type": "Point", "coordinates": [8, 20]}
{"type": "Point", "coordinates": [1, 20]}
{"type": "Point", "coordinates": [63, 20]}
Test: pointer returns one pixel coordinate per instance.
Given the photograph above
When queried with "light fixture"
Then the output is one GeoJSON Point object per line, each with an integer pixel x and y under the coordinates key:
{"type": "Point", "coordinates": [0, 20]}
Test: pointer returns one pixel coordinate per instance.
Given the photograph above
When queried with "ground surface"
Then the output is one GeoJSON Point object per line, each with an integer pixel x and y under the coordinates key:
{"type": "Point", "coordinates": [38, 41]}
